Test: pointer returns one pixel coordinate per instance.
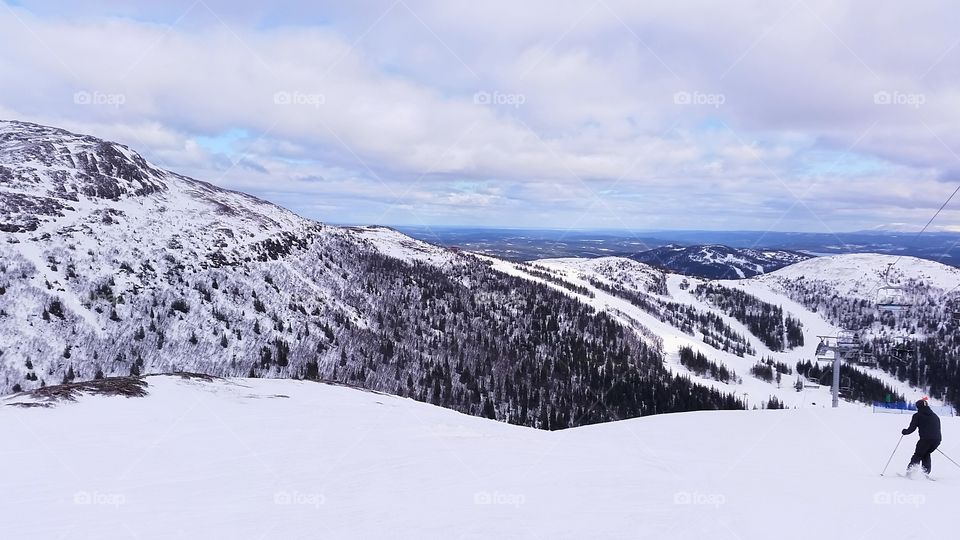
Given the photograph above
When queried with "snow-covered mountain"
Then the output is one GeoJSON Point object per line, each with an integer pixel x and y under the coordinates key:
{"type": "Point", "coordinates": [718, 261]}
{"type": "Point", "coordinates": [632, 275]}
{"type": "Point", "coordinates": [112, 266]}
{"type": "Point", "coordinates": [254, 459]}
{"type": "Point", "coordinates": [754, 333]}
{"type": "Point", "coordinates": [862, 275]}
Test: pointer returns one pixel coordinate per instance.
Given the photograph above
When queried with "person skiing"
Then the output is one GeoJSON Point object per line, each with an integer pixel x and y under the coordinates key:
{"type": "Point", "coordinates": [928, 423]}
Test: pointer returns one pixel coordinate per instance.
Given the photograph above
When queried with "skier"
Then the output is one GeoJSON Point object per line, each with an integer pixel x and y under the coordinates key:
{"type": "Point", "coordinates": [929, 425]}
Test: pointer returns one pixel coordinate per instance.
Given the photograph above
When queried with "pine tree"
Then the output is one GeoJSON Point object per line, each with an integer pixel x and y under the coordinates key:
{"type": "Point", "coordinates": [488, 410]}
{"type": "Point", "coordinates": [56, 309]}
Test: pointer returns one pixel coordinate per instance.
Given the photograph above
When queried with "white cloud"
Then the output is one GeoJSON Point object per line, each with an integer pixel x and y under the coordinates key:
{"type": "Point", "coordinates": [581, 103]}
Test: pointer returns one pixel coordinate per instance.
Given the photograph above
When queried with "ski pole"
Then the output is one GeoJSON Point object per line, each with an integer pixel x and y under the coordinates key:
{"type": "Point", "coordinates": [892, 454]}
{"type": "Point", "coordinates": [948, 457]}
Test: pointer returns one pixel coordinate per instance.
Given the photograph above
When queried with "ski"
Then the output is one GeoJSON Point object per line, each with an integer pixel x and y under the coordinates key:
{"type": "Point", "coordinates": [930, 478]}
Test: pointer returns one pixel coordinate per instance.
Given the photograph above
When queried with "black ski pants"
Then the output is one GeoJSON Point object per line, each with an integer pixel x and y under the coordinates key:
{"type": "Point", "coordinates": [925, 448]}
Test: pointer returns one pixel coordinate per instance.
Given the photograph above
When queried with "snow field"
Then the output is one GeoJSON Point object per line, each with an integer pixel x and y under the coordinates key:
{"type": "Point", "coordinates": [264, 459]}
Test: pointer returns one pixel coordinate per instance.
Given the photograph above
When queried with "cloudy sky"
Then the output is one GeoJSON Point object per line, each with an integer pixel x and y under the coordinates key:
{"type": "Point", "coordinates": [798, 115]}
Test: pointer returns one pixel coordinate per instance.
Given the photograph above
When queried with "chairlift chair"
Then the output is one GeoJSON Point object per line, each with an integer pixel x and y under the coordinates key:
{"type": "Point", "coordinates": [848, 339]}
{"type": "Point", "coordinates": [891, 298]}
{"type": "Point", "coordinates": [903, 349]}
{"type": "Point", "coordinates": [867, 359]}
{"type": "Point", "coordinates": [822, 348]}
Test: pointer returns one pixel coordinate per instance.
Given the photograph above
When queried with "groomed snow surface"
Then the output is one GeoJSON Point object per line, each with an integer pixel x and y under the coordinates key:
{"type": "Point", "coordinates": [281, 459]}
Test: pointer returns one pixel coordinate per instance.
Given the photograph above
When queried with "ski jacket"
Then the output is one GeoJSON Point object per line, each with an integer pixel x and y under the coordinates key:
{"type": "Point", "coordinates": [927, 422]}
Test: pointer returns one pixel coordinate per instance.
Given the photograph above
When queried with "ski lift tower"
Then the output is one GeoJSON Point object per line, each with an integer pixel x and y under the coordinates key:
{"type": "Point", "coordinates": [843, 347]}
{"type": "Point", "coordinates": [827, 352]}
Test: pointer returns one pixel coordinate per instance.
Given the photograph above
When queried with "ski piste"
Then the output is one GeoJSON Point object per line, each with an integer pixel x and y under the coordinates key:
{"type": "Point", "coordinates": [236, 458]}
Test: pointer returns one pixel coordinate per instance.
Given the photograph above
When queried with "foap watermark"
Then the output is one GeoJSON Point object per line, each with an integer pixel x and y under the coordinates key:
{"type": "Point", "coordinates": [508, 99]}
{"type": "Point", "coordinates": [297, 498]}
{"type": "Point", "coordinates": [684, 97]}
{"type": "Point", "coordinates": [95, 97]}
{"type": "Point", "coordinates": [905, 99]}
{"type": "Point", "coordinates": [499, 498]}
{"type": "Point", "coordinates": [897, 498]}
{"type": "Point", "coordinates": [695, 498]}
{"type": "Point", "coordinates": [294, 97]}
{"type": "Point", "coordinates": [95, 498]}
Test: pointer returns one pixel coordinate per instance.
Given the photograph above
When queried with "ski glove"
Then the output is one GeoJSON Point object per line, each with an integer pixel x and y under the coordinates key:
{"type": "Point", "coordinates": [905, 431]}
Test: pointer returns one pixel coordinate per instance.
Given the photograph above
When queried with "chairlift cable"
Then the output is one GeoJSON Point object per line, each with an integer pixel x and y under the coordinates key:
{"type": "Point", "coordinates": [923, 230]}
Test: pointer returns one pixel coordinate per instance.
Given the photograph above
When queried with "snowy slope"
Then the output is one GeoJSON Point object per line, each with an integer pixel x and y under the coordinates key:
{"type": "Point", "coordinates": [860, 275]}
{"type": "Point", "coordinates": [669, 338]}
{"type": "Point", "coordinates": [393, 243]}
{"type": "Point", "coordinates": [628, 273]}
{"type": "Point", "coordinates": [276, 459]}
{"type": "Point", "coordinates": [841, 275]}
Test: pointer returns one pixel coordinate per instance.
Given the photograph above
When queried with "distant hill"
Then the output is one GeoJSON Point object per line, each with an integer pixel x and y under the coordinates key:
{"type": "Point", "coordinates": [719, 262]}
